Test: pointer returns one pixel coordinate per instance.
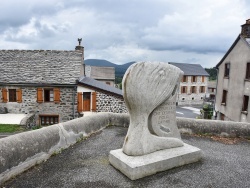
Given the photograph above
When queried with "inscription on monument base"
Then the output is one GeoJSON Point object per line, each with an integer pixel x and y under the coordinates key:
{"type": "Point", "coordinates": [162, 121]}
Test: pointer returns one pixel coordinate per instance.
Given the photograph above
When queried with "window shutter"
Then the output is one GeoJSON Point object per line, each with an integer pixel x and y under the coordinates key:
{"type": "Point", "coordinates": [19, 95]}
{"type": "Point", "coordinates": [56, 95]}
{"type": "Point", "coordinates": [93, 101]}
{"type": "Point", "coordinates": [203, 78]}
{"type": "Point", "coordinates": [39, 95]}
{"type": "Point", "coordinates": [79, 102]}
{"type": "Point", "coordinates": [4, 95]}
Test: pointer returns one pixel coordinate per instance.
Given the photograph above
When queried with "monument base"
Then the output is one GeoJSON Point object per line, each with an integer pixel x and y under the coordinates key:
{"type": "Point", "coordinates": [135, 167]}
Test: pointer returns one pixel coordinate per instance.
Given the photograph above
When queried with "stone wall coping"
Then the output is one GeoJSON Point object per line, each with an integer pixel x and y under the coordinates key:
{"type": "Point", "coordinates": [21, 151]}
{"type": "Point", "coordinates": [214, 127]}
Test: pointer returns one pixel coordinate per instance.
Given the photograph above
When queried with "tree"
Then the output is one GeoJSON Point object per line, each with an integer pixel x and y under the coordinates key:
{"type": "Point", "coordinates": [212, 72]}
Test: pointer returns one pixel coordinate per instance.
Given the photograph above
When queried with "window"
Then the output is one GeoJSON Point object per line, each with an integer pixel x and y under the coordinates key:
{"type": "Point", "coordinates": [224, 97]}
{"type": "Point", "coordinates": [49, 119]}
{"type": "Point", "coordinates": [227, 70]}
{"type": "Point", "coordinates": [245, 103]}
{"type": "Point", "coordinates": [184, 79]}
{"type": "Point", "coordinates": [193, 78]}
{"type": "Point", "coordinates": [222, 116]}
{"type": "Point", "coordinates": [248, 71]}
{"type": "Point", "coordinates": [203, 79]}
{"type": "Point", "coordinates": [12, 95]}
{"type": "Point", "coordinates": [193, 89]}
{"type": "Point", "coordinates": [108, 83]}
{"type": "Point", "coordinates": [202, 89]}
{"type": "Point", "coordinates": [48, 95]}
{"type": "Point", "coordinates": [183, 89]}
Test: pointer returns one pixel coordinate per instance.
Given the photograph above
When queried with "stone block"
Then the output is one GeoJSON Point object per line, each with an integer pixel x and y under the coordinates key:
{"type": "Point", "coordinates": [135, 167]}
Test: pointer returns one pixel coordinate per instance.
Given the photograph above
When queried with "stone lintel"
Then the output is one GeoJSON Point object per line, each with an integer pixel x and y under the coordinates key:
{"type": "Point", "coordinates": [135, 167]}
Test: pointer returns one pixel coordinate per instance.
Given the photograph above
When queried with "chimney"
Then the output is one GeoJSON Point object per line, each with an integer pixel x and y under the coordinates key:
{"type": "Point", "coordinates": [245, 29]}
{"type": "Point", "coordinates": [79, 47]}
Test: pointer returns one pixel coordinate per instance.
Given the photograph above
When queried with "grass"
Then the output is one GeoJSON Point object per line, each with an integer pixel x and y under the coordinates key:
{"type": "Point", "coordinates": [10, 128]}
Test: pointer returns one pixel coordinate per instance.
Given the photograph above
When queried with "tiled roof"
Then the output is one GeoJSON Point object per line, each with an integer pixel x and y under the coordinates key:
{"type": "Point", "coordinates": [99, 85]}
{"type": "Point", "coordinates": [40, 66]}
{"type": "Point", "coordinates": [191, 69]}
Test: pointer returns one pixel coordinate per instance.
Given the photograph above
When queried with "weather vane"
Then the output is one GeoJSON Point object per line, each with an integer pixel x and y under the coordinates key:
{"type": "Point", "coordinates": [79, 40]}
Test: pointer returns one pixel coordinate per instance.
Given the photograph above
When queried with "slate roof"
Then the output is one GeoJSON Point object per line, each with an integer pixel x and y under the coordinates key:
{"type": "Point", "coordinates": [99, 85]}
{"type": "Point", "coordinates": [40, 66]}
{"type": "Point", "coordinates": [246, 40]}
{"type": "Point", "coordinates": [191, 69]}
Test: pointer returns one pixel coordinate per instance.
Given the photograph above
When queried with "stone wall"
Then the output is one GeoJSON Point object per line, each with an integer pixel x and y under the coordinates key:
{"type": "Point", "coordinates": [30, 105]}
{"type": "Point", "coordinates": [110, 103]}
{"type": "Point", "coordinates": [29, 121]}
{"type": "Point", "coordinates": [192, 98]}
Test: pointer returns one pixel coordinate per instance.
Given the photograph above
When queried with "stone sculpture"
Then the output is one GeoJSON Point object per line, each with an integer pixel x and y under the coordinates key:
{"type": "Point", "coordinates": [153, 142]}
{"type": "Point", "coordinates": [149, 87]}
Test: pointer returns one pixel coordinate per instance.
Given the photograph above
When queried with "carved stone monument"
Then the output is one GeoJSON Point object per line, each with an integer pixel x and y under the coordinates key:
{"type": "Point", "coordinates": [153, 142]}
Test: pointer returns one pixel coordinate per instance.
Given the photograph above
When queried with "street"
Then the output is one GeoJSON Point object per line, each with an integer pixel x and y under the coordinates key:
{"type": "Point", "coordinates": [188, 111]}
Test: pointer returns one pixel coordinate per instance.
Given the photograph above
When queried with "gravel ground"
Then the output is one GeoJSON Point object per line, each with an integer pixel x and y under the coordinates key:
{"type": "Point", "coordinates": [85, 164]}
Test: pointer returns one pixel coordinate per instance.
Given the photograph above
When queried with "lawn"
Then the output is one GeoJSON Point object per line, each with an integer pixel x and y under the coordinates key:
{"type": "Point", "coordinates": [10, 128]}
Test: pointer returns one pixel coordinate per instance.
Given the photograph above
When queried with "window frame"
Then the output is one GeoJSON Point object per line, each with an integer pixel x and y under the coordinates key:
{"type": "Point", "coordinates": [202, 89]}
{"type": "Point", "coordinates": [51, 118]}
{"type": "Point", "coordinates": [227, 70]}
{"type": "Point", "coordinates": [184, 78]}
{"type": "Point", "coordinates": [247, 77]}
{"type": "Point", "coordinates": [12, 95]}
{"type": "Point", "coordinates": [245, 103]}
{"type": "Point", "coordinates": [51, 92]}
{"type": "Point", "coordinates": [183, 89]}
{"type": "Point", "coordinates": [193, 89]}
{"type": "Point", "coordinates": [194, 79]}
{"type": "Point", "coordinates": [224, 97]}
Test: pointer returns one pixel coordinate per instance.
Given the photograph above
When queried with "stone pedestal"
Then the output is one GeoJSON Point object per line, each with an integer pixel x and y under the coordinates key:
{"type": "Point", "coordinates": [135, 167]}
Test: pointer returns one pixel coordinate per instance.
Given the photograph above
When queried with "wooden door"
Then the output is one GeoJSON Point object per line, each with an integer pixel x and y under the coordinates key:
{"type": "Point", "coordinates": [86, 101]}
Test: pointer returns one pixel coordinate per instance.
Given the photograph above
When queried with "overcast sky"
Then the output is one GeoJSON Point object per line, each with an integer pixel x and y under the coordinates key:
{"type": "Point", "coordinates": [120, 31]}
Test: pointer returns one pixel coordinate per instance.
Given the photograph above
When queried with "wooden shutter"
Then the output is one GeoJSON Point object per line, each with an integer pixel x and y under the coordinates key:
{"type": "Point", "coordinates": [93, 101]}
{"type": "Point", "coordinates": [39, 95]}
{"type": "Point", "coordinates": [79, 102]}
{"type": "Point", "coordinates": [4, 95]}
{"type": "Point", "coordinates": [56, 95]}
{"type": "Point", "coordinates": [203, 78]}
{"type": "Point", "coordinates": [19, 95]}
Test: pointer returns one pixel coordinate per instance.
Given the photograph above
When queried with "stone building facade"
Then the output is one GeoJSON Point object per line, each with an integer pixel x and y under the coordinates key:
{"type": "Point", "coordinates": [95, 96]}
{"type": "Point", "coordinates": [41, 82]}
{"type": "Point", "coordinates": [102, 74]}
{"type": "Point", "coordinates": [193, 85]}
{"type": "Point", "coordinates": [233, 84]}
{"type": "Point", "coordinates": [110, 103]}
{"type": "Point", "coordinates": [64, 110]}
{"type": "Point", "coordinates": [48, 84]}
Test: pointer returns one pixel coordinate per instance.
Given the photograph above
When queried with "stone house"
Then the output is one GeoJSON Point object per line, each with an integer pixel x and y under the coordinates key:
{"type": "Point", "coordinates": [95, 96]}
{"type": "Point", "coordinates": [46, 83]}
{"type": "Point", "coordinates": [193, 85]}
{"type": "Point", "coordinates": [102, 74]}
{"type": "Point", "coordinates": [233, 84]}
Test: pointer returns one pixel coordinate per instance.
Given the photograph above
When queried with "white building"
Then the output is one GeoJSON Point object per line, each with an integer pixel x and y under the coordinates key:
{"type": "Point", "coordinates": [193, 85]}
